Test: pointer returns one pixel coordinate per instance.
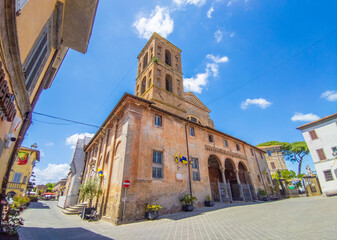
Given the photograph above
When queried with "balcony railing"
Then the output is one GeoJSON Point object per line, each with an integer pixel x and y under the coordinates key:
{"type": "Point", "coordinates": [12, 185]}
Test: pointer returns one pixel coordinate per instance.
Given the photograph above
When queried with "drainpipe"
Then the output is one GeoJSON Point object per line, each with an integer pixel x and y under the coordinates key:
{"type": "Point", "coordinates": [188, 161]}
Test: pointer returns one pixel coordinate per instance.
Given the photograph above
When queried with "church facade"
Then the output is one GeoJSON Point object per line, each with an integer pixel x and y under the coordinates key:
{"type": "Point", "coordinates": [163, 140]}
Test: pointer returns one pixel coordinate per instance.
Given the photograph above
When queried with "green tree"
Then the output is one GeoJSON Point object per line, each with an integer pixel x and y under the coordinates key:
{"type": "Point", "coordinates": [90, 189]}
{"type": "Point", "coordinates": [293, 152]}
{"type": "Point", "coordinates": [286, 174]}
{"type": "Point", "coordinates": [50, 186]}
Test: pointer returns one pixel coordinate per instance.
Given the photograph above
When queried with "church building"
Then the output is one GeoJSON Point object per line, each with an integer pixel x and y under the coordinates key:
{"type": "Point", "coordinates": [163, 141]}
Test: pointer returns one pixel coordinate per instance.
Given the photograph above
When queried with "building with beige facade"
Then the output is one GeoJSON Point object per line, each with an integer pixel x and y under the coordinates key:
{"type": "Point", "coordinates": [274, 157]}
{"type": "Point", "coordinates": [21, 171]}
{"type": "Point", "coordinates": [35, 36]}
{"type": "Point", "coordinates": [149, 137]}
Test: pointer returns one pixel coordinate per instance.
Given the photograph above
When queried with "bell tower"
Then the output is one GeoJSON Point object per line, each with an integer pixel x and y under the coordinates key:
{"type": "Point", "coordinates": [159, 75]}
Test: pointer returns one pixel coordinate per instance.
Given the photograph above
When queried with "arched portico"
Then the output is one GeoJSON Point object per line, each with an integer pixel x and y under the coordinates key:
{"type": "Point", "coordinates": [242, 173]}
{"type": "Point", "coordinates": [215, 176]}
{"type": "Point", "coordinates": [231, 178]}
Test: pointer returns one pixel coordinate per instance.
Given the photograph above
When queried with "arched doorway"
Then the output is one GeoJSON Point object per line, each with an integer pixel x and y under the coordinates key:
{"type": "Point", "coordinates": [230, 176]}
{"type": "Point", "coordinates": [242, 173]}
{"type": "Point", "coordinates": [215, 176]}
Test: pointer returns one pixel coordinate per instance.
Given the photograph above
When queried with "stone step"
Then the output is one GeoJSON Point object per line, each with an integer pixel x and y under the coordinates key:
{"type": "Point", "coordinates": [65, 211]}
{"type": "Point", "coordinates": [73, 210]}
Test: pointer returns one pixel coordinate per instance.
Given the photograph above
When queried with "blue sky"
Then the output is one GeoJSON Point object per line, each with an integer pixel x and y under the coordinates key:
{"type": "Point", "coordinates": [262, 67]}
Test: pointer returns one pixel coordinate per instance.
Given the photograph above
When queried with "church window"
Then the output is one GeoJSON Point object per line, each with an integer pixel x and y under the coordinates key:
{"type": "Point", "coordinates": [225, 143]}
{"type": "Point", "coordinates": [169, 86]}
{"type": "Point", "coordinates": [150, 73]}
{"type": "Point", "coordinates": [252, 152]}
{"type": "Point", "coordinates": [168, 57]}
{"type": "Point", "coordinates": [237, 147]}
{"type": "Point", "coordinates": [149, 83]}
{"type": "Point", "coordinates": [192, 133]}
{"type": "Point", "coordinates": [159, 56]}
{"type": "Point", "coordinates": [157, 120]}
{"type": "Point", "coordinates": [143, 86]}
{"type": "Point", "coordinates": [193, 119]}
{"type": "Point", "coordinates": [157, 166]}
{"type": "Point", "coordinates": [145, 61]}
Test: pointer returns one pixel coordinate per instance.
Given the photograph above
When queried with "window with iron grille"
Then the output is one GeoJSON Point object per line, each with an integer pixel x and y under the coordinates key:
{"type": "Point", "coordinates": [157, 164]}
{"type": "Point", "coordinates": [157, 121]}
{"type": "Point", "coordinates": [195, 169]}
{"type": "Point", "coordinates": [328, 175]}
{"type": "Point", "coordinates": [36, 59]}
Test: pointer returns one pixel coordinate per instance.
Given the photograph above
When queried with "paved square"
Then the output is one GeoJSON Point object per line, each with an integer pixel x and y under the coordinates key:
{"type": "Point", "coordinates": [299, 218]}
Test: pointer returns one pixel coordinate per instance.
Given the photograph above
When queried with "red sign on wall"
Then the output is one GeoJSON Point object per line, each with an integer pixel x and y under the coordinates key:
{"type": "Point", "coordinates": [126, 183]}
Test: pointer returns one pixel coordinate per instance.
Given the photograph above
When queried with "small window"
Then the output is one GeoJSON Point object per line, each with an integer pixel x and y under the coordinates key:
{"type": "Point", "coordinates": [210, 138]}
{"type": "Point", "coordinates": [237, 147]}
{"type": "Point", "coordinates": [321, 154]}
{"type": "Point", "coordinates": [195, 169]}
{"type": "Point", "coordinates": [157, 166]}
{"type": "Point", "coordinates": [328, 175]}
{"type": "Point", "coordinates": [158, 82]}
{"type": "Point", "coordinates": [17, 178]}
{"type": "Point", "coordinates": [145, 61]}
{"type": "Point", "coordinates": [272, 164]}
{"type": "Point", "coordinates": [157, 120]}
{"type": "Point", "coordinates": [313, 135]}
{"type": "Point", "coordinates": [143, 87]}
{"type": "Point", "coordinates": [24, 181]}
{"type": "Point", "coordinates": [225, 143]}
{"type": "Point", "coordinates": [269, 153]}
{"type": "Point", "coordinates": [193, 119]}
{"type": "Point", "coordinates": [192, 133]}
{"type": "Point", "coordinates": [334, 151]}
{"type": "Point", "coordinates": [252, 152]}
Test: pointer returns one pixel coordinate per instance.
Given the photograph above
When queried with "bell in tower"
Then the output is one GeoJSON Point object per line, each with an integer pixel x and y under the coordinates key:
{"type": "Point", "coordinates": [159, 75]}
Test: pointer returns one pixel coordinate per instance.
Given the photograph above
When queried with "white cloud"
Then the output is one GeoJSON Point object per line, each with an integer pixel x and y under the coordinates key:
{"type": "Point", "coordinates": [181, 3]}
{"type": "Point", "coordinates": [52, 173]}
{"type": "Point", "coordinates": [232, 34]}
{"type": "Point", "coordinates": [49, 144]}
{"type": "Point", "coordinates": [209, 12]}
{"type": "Point", "coordinates": [72, 140]}
{"type": "Point", "coordinates": [218, 35]}
{"type": "Point", "coordinates": [304, 117]}
{"type": "Point", "coordinates": [260, 102]}
{"type": "Point", "coordinates": [159, 21]}
{"type": "Point", "coordinates": [42, 153]}
{"type": "Point", "coordinates": [330, 95]}
{"type": "Point", "coordinates": [197, 83]}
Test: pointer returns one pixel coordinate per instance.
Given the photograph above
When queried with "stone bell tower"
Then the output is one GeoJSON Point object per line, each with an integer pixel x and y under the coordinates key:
{"type": "Point", "coordinates": [159, 75]}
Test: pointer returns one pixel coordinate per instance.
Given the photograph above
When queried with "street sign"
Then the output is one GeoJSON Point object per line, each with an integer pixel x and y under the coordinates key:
{"type": "Point", "coordinates": [126, 183]}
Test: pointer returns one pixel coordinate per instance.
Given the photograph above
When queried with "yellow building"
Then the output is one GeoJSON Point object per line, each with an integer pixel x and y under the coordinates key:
{"type": "Point", "coordinates": [22, 171]}
{"type": "Point", "coordinates": [35, 36]}
{"type": "Point", "coordinates": [274, 157]}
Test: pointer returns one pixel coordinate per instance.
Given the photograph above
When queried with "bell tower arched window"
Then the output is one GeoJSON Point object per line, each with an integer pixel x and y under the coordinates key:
{"type": "Point", "coordinates": [145, 61]}
{"type": "Point", "coordinates": [168, 80]}
{"type": "Point", "coordinates": [168, 57]}
{"type": "Point", "coordinates": [143, 86]}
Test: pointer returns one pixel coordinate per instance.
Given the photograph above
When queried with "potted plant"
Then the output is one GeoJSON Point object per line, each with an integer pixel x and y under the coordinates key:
{"type": "Point", "coordinates": [263, 195]}
{"type": "Point", "coordinates": [10, 224]}
{"type": "Point", "coordinates": [209, 202]}
{"type": "Point", "coordinates": [151, 211]}
{"type": "Point", "coordinates": [188, 199]}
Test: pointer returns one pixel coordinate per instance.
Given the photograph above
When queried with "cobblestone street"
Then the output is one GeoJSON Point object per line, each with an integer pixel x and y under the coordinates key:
{"type": "Point", "coordinates": [299, 218]}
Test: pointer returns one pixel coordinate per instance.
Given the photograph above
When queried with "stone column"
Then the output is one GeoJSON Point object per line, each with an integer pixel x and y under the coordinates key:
{"type": "Point", "coordinates": [248, 185]}
{"type": "Point", "coordinates": [239, 183]}
{"type": "Point", "coordinates": [225, 182]}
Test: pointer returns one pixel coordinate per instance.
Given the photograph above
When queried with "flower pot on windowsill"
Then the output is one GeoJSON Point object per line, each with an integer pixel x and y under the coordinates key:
{"type": "Point", "coordinates": [209, 203]}
{"type": "Point", "coordinates": [151, 215]}
{"type": "Point", "coordinates": [188, 208]}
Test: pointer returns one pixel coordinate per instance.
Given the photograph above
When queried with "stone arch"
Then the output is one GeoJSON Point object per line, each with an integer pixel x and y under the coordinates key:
{"type": "Point", "coordinates": [168, 83]}
{"type": "Point", "coordinates": [168, 57]}
{"type": "Point", "coordinates": [242, 172]}
{"type": "Point", "coordinates": [215, 175]}
{"type": "Point", "coordinates": [143, 86]}
{"type": "Point", "coordinates": [230, 175]}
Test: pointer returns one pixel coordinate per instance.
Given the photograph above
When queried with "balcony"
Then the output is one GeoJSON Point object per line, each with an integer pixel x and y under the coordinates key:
{"type": "Point", "coordinates": [12, 185]}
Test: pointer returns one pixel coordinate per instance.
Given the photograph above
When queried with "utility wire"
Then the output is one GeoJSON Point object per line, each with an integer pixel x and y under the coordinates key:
{"type": "Point", "coordinates": [273, 67]}
{"type": "Point", "coordinates": [67, 120]}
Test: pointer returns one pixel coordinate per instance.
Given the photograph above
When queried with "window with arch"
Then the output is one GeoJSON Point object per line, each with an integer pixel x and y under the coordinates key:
{"type": "Point", "coordinates": [145, 61]}
{"type": "Point", "coordinates": [168, 57]}
{"type": "Point", "coordinates": [142, 90]}
{"type": "Point", "coordinates": [168, 80]}
{"type": "Point", "coordinates": [149, 83]}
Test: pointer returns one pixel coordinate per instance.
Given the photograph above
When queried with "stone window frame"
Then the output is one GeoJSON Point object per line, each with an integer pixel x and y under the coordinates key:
{"type": "Point", "coordinates": [157, 165]}
{"type": "Point", "coordinates": [192, 131]}
{"type": "Point", "coordinates": [210, 138]}
{"type": "Point", "coordinates": [156, 123]}
{"type": "Point", "coordinates": [195, 169]}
